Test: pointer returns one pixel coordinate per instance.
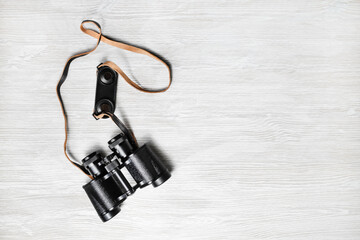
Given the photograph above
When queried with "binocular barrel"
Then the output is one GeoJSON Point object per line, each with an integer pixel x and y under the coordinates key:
{"type": "Point", "coordinates": [109, 187]}
{"type": "Point", "coordinates": [142, 163]}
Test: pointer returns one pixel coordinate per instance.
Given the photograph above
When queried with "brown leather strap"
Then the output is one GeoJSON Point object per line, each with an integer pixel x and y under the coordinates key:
{"type": "Point", "coordinates": [100, 38]}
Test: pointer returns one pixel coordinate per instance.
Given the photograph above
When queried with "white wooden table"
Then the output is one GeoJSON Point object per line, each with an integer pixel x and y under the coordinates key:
{"type": "Point", "coordinates": [261, 125]}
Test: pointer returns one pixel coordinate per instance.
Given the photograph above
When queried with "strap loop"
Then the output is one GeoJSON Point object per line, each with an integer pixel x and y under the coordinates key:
{"type": "Point", "coordinates": [100, 38]}
{"type": "Point", "coordinates": [126, 47]}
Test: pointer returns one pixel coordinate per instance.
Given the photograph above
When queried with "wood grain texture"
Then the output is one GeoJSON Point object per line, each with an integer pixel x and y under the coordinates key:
{"type": "Point", "coordinates": [261, 125]}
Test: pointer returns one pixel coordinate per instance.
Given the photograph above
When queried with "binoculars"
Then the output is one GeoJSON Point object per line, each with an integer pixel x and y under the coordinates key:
{"type": "Point", "coordinates": [109, 187]}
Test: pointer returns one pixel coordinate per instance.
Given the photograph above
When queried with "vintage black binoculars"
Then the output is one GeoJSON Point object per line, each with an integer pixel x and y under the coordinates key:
{"type": "Point", "coordinates": [109, 187]}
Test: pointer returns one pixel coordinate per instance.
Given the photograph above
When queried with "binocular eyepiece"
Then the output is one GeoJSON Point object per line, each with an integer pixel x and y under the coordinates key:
{"type": "Point", "coordinates": [109, 187]}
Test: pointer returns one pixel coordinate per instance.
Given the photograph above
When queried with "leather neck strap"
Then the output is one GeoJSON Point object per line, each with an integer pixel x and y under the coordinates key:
{"type": "Point", "coordinates": [101, 38]}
